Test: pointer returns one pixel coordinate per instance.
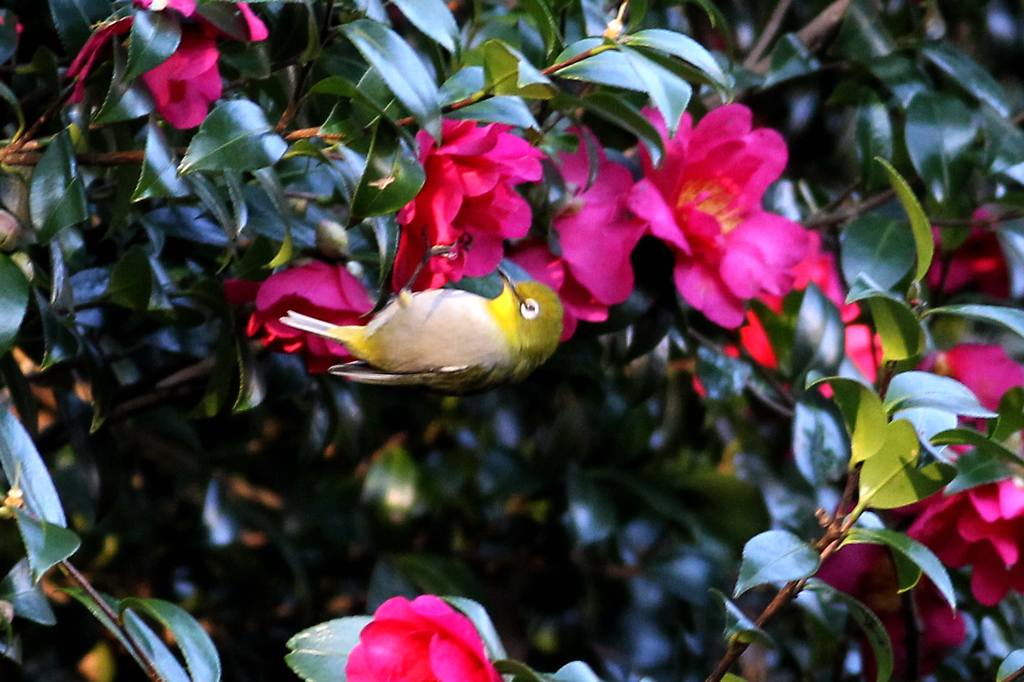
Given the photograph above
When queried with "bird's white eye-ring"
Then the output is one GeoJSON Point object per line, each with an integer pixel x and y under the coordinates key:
{"type": "Point", "coordinates": [529, 309]}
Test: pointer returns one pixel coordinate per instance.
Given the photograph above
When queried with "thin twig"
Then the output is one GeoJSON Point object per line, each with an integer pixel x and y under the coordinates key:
{"type": "Point", "coordinates": [829, 219]}
{"type": "Point", "coordinates": [771, 29]}
{"type": "Point", "coordinates": [815, 32]}
{"type": "Point", "coordinates": [307, 69]}
{"type": "Point", "coordinates": [76, 576]}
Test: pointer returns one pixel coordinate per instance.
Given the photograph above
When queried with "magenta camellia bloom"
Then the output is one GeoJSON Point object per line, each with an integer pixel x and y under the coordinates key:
{"type": "Point", "coordinates": [329, 292]}
{"type": "Point", "coordinates": [704, 202]}
{"type": "Point", "coordinates": [468, 203]}
{"type": "Point", "coordinates": [83, 62]}
{"type": "Point", "coordinates": [596, 234]}
{"type": "Point", "coordinates": [423, 640]}
{"type": "Point", "coordinates": [184, 86]}
{"type": "Point", "coordinates": [977, 264]}
{"type": "Point", "coordinates": [868, 573]}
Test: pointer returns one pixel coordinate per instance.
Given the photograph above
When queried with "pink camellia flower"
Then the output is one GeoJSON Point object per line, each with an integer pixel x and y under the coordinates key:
{"type": "Point", "coordinates": [329, 292]}
{"type": "Point", "coordinates": [704, 201]}
{"type": "Point", "coordinates": [184, 86]}
{"type": "Point", "coordinates": [978, 264]}
{"type": "Point", "coordinates": [982, 527]}
{"type": "Point", "coordinates": [867, 573]}
{"type": "Point", "coordinates": [596, 235]}
{"type": "Point", "coordinates": [423, 640]}
{"type": "Point", "coordinates": [468, 203]}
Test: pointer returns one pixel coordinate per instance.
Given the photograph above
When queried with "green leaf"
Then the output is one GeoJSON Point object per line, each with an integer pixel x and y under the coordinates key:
{"type": "Point", "coordinates": [483, 624]}
{"type": "Point", "coordinates": [869, 623]}
{"type": "Point", "coordinates": [968, 74]}
{"type": "Point", "coordinates": [1010, 318]}
{"type": "Point", "coordinates": [608, 67]}
{"type": "Point", "coordinates": [125, 99]}
{"type": "Point", "coordinates": [790, 59]}
{"type": "Point", "coordinates": [74, 19]}
{"type": "Point", "coordinates": [668, 92]}
{"type": "Point", "coordinates": [683, 47]}
{"type": "Point", "coordinates": [393, 176]}
{"type": "Point", "coordinates": [517, 671]}
{"type": "Point", "coordinates": [131, 281]}
{"type": "Point", "coordinates": [401, 69]}
{"type": "Point", "coordinates": [1004, 146]}
{"type": "Point", "coordinates": [28, 600]}
{"type": "Point", "coordinates": [508, 72]}
{"type": "Point", "coordinates": [193, 641]}
{"type": "Point", "coordinates": [46, 544]}
{"type": "Point", "coordinates": [577, 671]}
{"type": "Point", "coordinates": [775, 556]}
{"type": "Point", "coordinates": [863, 413]}
{"type": "Point", "coordinates": [978, 467]}
{"type": "Point", "coordinates": [14, 290]}
{"type": "Point", "coordinates": [879, 247]}
{"type": "Point", "coordinates": [938, 133]}
{"type": "Point", "coordinates": [821, 447]}
{"type": "Point", "coordinates": [8, 34]}
{"type": "Point", "coordinates": [913, 551]}
{"type": "Point", "coordinates": [154, 648]}
{"type": "Point", "coordinates": [920, 226]}
{"type": "Point", "coordinates": [56, 194]}
{"type": "Point", "coordinates": [928, 421]}
{"type": "Point", "coordinates": [924, 389]}
{"type": "Point", "coordinates": [818, 341]}
{"type": "Point", "coordinates": [890, 478]}
{"type": "Point", "coordinates": [1013, 663]}
{"type": "Point", "coordinates": [23, 466]}
{"type": "Point", "coordinates": [433, 18]}
{"type": "Point", "coordinates": [1011, 415]}
{"type": "Point", "coordinates": [500, 109]}
{"type": "Point", "coordinates": [873, 135]}
{"type": "Point", "coordinates": [540, 12]}
{"type": "Point", "coordinates": [722, 377]}
{"type": "Point", "coordinates": [235, 136]}
{"type": "Point", "coordinates": [154, 37]}
{"type": "Point", "coordinates": [159, 174]}
{"type": "Point", "coordinates": [591, 512]}
{"type": "Point", "coordinates": [895, 322]}
{"type": "Point", "coordinates": [739, 627]}
{"type": "Point", "coordinates": [319, 653]}
{"type": "Point", "coordinates": [901, 75]}
{"type": "Point", "coordinates": [618, 111]}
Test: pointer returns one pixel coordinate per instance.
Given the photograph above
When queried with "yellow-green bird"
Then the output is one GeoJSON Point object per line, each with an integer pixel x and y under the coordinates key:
{"type": "Point", "coordinates": [449, 340]}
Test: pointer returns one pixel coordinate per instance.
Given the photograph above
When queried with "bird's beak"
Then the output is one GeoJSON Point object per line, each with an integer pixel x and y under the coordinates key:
{"type": "Point", "coordinates": [509, 283]}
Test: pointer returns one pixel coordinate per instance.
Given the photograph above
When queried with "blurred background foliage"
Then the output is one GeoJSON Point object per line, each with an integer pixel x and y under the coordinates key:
{"type": "Point", "coordinates": [591, 508]}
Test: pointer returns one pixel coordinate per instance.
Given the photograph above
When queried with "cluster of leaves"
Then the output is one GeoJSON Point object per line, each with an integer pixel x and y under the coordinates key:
{"type": "Point", "coordinates": [604, 508]}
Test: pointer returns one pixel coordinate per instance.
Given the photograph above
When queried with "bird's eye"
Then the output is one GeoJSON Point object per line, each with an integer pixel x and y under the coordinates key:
{"type": "Point", "coordinates": [529, 309]}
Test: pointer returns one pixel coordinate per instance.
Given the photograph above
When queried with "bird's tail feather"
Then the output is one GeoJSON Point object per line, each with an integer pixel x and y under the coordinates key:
{"type": "Point", "coordinates": [311, 324]}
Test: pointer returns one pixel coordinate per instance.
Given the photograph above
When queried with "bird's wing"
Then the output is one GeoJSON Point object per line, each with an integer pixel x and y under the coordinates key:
{"type": "Point", "coordinates": [453, 379]}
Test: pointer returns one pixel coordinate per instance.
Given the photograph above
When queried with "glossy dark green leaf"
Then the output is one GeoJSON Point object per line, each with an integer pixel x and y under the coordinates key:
{"type": "Point", "coordinates": [1004, 145]}
{"type": "Point", "coordinates": [901, 75]}
{"type": "Point", "coordinates": [28, 600]}
{"type": "Point", "coordinates": [928, 421]}
{"type": "Point", "coordinates": [125, 99]}
{"type": "Point", "coordinates": [483, 624]}
{"type": "Point", "coordinates": [433, 18]}
{"type": "Point", "coordinates": [393, 176]}
{"type": "Point", "coordinates": [1011, 415]}
{"type": "Point", "coordinates": [13, 301]}
{"type": "Point", "coordinates": [738, 626]}
{"type": "Point", "coordinates": [775, 556]}
{"type": "Point", "coordinates": [401, 69]}
{"type": "Point", "coordinates": [577, 671]}
{"type": "Point", "coordinates": [863, 33]}
{"type": "Point", "coordinates": [74, 19]}
{"type": "Point", "coordinates": [235, 136]}
{"type": "Point", "coordinates": [668, 92]}
{"type": "Point", "coordinates": [131, 281]}
{"type": "Point", "coordinates": [252, 385]}
{"type": "Point", "coordinates": [1013, 663]}
{"type": "Point", "coordinates": [873, 134]}
{"type": "Point", "coordinates": [193, 641]}
{"type": "Point", "coordinates": [154, 37]}
{"type": "Point", "coordinates": [500, 109]}
{"type": "Point", "coordinates": [920, 226]}
{"type": "Point", "coordinates": [23, 466]}
{"type": "Point", "coordinates": [879, 247]}
{"type": "Point", "coordinates": [938, 133]}
{"type": "Point", "coordinates": [821, 446]}
{"type": "Point", "coordinates": [924, 389]}
{"type": "Point", "coordinates": [609, 67]}
{"type": "Point", "coordinates": [818, 341]}
{"type": "Point", "coordinates": [517, 671]}
{"type": "Point", "coordinates": [978, 467]}
{"type": "Point", "coordinates": [968, 74]}
{"type": "Point", "coordinates": [56, 194]}
{"type": "Point", "coordinates": [591, 511]}
{"type": "Point", "coordinates": [682, 47]}
{"type": "Point", "coordinates": [319, 653]}
{"type": "Point", "coordinates": [890, 478]}
{"type": "Point", "coordinates": [540, 12]}
{"type": "Point", "coordinates": [897, 325]}
{"type": "Point", "coordinates": [623, 114]}
{"type": "Point", "coordinates": [790, 59]}
{"type": "Point", "coordinates": [913, 551]}
{"type": "Point", "coordinates": [46, 544]}
{"type": "Point", "coordinates": [159, 174]}
{"type": "Point", "coordinates": [722, 377]}
{"type": "Point", "coordinates": [154, 648]}
{"type": "Point", "coordinates": [1009, 318]}
{"type": "Point", "coordinates": [508, 72]}
{"type": "Point", "coordinates": [870, 625]}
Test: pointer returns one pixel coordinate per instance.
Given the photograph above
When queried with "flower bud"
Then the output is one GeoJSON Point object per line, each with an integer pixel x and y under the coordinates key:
{"type": "Point", "coordinates": [10, 231]}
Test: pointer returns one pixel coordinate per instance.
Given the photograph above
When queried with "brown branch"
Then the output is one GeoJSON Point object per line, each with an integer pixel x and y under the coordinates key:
{"type": "Point", "coordinates": [771, 29]}
{"type": "Point", "coordinates": [76, 576]}
{"type": "Point", "coordinates": [814, 34]}
{"type": "Point", "coordinates": [829, 219]}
